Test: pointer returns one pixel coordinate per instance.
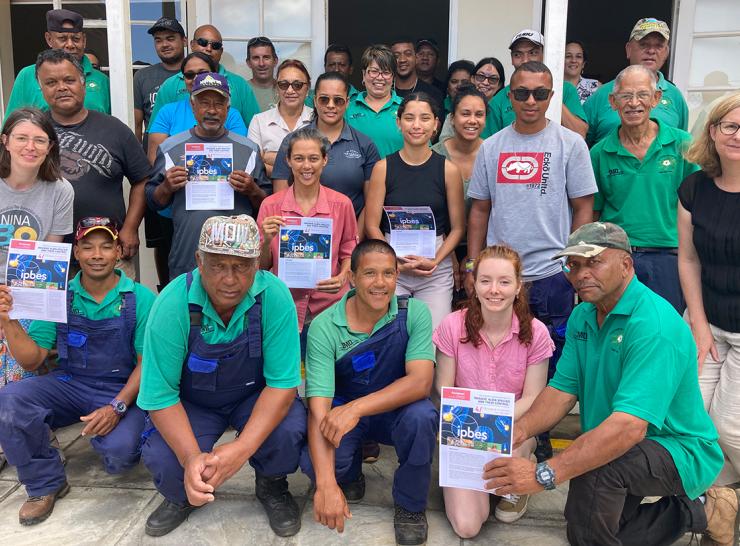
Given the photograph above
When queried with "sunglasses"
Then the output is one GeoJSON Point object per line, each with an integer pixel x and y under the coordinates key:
{"type": "Point", "coordinates": [539, 94]}
{"type": "Point", "coordinates": [480, 78]}
{"type": "Point", "coordinates": [215, 44]}
{"type": "Point", "coordinates": [324, 100]}
{"type": "Point", "coordinates": [259, 40]}
{"type": "Point", "coordinates": [94, 221]}
{"type": "Point", "coordinates": [297, 85]}
{"type": "Point", "coordinates": [192, 75]}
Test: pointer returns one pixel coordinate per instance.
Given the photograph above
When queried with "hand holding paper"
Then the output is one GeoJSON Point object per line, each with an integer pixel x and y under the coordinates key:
{"type": "Point", "coordinates": [271, 227]}
{"type": "Point", "coordinates": [6, 304]}
{"type": "Point", "coordinates": [175, 179]}
{"type": "Point", "coordinates": [241, 181]}
{"type": "Point", "coordinates": [511, 475]}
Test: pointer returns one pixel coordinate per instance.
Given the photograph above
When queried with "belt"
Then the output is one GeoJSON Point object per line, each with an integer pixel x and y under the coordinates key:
{"type": "Point", "coordinates": [655, 249]}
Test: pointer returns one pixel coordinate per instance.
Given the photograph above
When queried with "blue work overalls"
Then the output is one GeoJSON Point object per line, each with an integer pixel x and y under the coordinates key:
{"type": "Point", "coordinates": [96, 358]}
{"type": "Point", "coordinates": [371, 366]}
{"type": "Point", "coordinates": [219, 386]}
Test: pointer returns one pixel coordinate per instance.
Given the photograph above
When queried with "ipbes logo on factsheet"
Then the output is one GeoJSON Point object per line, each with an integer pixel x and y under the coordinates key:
{"type": "Point", "coordinates": [520, 168]}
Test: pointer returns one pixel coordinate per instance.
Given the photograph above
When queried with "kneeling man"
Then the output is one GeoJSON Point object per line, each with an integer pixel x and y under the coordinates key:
{"type": "Point", "coordinates": [630, 361]}
{"type": "Point", "coordinates": [369, 371]}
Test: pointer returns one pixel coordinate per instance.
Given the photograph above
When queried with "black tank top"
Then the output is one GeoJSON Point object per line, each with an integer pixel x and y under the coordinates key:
{"type": "Point", "coordinates": [417, 186]}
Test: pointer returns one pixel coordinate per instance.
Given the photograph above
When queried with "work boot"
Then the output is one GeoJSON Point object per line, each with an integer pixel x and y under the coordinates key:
{"type": "Point", "coordinates": [281, 508]}
{"type": "Point", "coordinates": [354, 491]}
{"type": "Point", "coordinates": [721, 508]}
{"type": "Point", "coordinates": [370, 451]}
{"type": "Point", "coordinates": [410, 527]}
{"type": "Point", "coordinates": [37, 509]}
{"type": "Point", "coordinates": [167, 517]}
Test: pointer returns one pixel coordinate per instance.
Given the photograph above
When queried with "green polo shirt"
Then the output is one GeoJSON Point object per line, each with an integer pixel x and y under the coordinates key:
{"type": "Point", "coordinates": [330, 338]}
{"type": "Point", "coordinates": [26, 90]}
{"type": "Point", "coordinates": [242, 97]}
{"type": "Point", "coordinates": [166, 338]}
{"type": "Point", "coordinates": [671, 110]}
{"type": "Point", "coordinates": [642, 361]}
{"type": "Point", "coordinates": [642, 196]}
{"type": "Point", "coordinates": [380, 126]}
{"type": "Point", "coordinates": [501, 113]}
{"type": "Point", "coordinates": [45, 333]}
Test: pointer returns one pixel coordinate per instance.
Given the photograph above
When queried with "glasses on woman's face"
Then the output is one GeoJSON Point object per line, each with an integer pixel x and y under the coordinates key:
{"type": "Point", "coordinates": [215, 44]}
{"type": "Point", "coordinates": [480, 78]}
{"type": "Point", "coordinates": [23, 140]}
{"type": "Point", "coordinates": [727, 128]}
{"type": "Point", "coordinates": [297, 85]}
{"type": "Point", "coordinates": [374, 73]}
{"type": "Point", "coordinates": [190, 75]}
{"type": "Point", "coordinates": [324, 100]}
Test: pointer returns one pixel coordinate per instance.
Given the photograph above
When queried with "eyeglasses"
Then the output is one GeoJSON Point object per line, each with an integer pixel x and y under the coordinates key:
{"type": "Point", "coordinates": [324, 100]}
{"type": "Point", "coordinates": [297, 85]}
{"type": "Point", "coordinates": [642, 96]}
{"type": "Point", "coordinates": [727, 128]}
{"type": "Point", "coordinates": [480, 78]}
{"type": "Point", "coordinates": [374, 73]}
{"type": "Point", "coordinates": [539, 94]}
{"type": "Point", "coordinates": [259, 40]}
{"type": "Point", "coordinates": [192, 75]}
{"type": "Point", "coordinates": [219, 269]}
{"type": "Point", "coordinates": [23, 140]}
{"type": "Point", "coordinates": [215, 44]}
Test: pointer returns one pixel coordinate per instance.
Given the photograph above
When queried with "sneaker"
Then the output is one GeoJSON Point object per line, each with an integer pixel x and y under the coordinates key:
{"type": "Point", "coordinates": [370, 451]}
{"type": "Point", "coordinates": [354, 491]}
{"type": "Point", "coordinates": [721, 508]}
{"type": "Point", "coordinates": [410, 527]}
{"type": "Point", "coordinates": [37, 509]}
{"type": "Point", "coordinates": [281, 508]}
{"type": "Point", "coordinates": [167, 517]}
{"type": "Point", "coordinates": [510, 510]}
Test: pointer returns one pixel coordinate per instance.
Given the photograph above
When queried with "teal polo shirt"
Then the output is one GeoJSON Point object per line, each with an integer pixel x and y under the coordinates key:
{"type": "Point", "coordinates": [380, 126]}
{"type": "Point", "coordinates": [501, 113]}
{"type": "Point", "coordinates": [330, 338]}
{"type": "Point", "coordinates": [83, 304]}
{"type": "Point", "coordinates": [642, 361]}
{"type": "Point", "coordinates": [671, 110]}
{"type": "Point", "coordinates": [242, 97]}
{"type": "Point", "coordinates": [27, 92]}
{"type": "Point", "coordinates": [642, 196]}
{"type": "Point", "coordinates": [166, 338]}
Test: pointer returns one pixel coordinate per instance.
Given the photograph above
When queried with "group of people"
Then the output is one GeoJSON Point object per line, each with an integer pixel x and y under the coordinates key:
{"type": "Point", "coordinates": [639, 226]}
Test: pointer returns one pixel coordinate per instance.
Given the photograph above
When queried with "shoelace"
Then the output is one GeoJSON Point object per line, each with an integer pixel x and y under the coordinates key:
{"type": "Point", "coordinates": [405, 514]}
{"type": "Point", "coordinates": [514, 499]}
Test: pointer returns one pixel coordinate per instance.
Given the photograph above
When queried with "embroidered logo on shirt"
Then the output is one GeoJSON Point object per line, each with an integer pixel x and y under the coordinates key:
{"type": "Point", "coordinates": [581, 336]}
{"type": "Point", "coordinates": [347, 344]}
{"type": "Point", "coordinates": [666, 164]}
{"type": "Point", "coordinates": [615, 172]}
{"type": "Point", "coordinates": [352, 154]}
{"type": "Point", "coordinates": [615, 342]}
{"type": "Point", "coordinates": [520, 168]}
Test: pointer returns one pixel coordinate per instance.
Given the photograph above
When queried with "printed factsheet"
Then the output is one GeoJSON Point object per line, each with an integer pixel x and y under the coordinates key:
{"type": "Point", "coordinates": [475, 427]}
{"type": "Point", "coordinates": [413, 231]}
{"type": "Point", "coordinates": [36, 273]}
{"type": "Point", "coordinates": [209, 165]}
{"type": "Point", "coordinates": [305, 251]}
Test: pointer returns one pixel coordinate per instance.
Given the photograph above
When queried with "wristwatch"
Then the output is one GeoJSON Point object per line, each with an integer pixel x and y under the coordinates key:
{"type": "Point", "coordinates": [119, 406]}
{"type": "Point", "coordinates": [545, 475]}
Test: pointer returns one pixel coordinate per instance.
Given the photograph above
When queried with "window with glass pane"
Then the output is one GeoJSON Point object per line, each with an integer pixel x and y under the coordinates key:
{"type": "Point", "coordinates": [236, 18]}
{"type": "Point", "coordinates": [89, 10]}
{"type": "Point", "coordinates": [151, 10]}
{"type": "Point", "coordinates": [716, 16]}
{"type": "Point", "coordinates": [288, 18]}
{"type": "Point", "coordinates": [715, 58]}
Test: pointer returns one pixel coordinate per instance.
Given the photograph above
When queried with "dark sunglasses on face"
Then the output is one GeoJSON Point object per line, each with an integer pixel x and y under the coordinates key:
{"type": "Point", "coordinates": [480, 78]}
{"type": "Point", "coordinates": [215, 44]}
{"type": "Point", "coordinates": [192, 75]}
{"type": "Point", "coordinates": [296, 85]}
{"type": "Point", "coordinates": [324, 100]}
{"type": "Point", "coordinates": [539, 94]}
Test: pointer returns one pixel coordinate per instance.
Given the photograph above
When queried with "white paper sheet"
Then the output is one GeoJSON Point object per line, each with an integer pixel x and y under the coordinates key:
{"type": "Point", "coordinates": [209, 165]}
{"type": "Point", "coordinates": [413, 230]}
{"type": "Point", "coordinates": [304, 251]}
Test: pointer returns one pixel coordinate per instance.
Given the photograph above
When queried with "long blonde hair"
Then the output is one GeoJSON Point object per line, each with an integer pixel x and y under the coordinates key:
{"type": "Point", "coordinates": [702, 151]}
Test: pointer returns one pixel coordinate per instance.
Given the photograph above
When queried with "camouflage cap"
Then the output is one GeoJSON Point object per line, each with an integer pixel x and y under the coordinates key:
{"type": "Point", "coordinates": [592, 239]}
{"type": "Point", "coordinates": [232, 235]}
{"type": "Point", "coordinates": [648, 25]}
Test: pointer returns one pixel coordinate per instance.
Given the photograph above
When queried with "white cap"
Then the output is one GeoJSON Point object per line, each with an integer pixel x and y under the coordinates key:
{"type": "Point", "coordinates": [528, 34]}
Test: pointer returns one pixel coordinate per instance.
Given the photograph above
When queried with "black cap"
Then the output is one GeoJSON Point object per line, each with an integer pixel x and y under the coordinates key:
{"type": "Point", "coordinates": [167, 23]}
{"type": "Point", "coordinates": [55, 19]}
{"type": "Point", "coordinates": [431, 42]}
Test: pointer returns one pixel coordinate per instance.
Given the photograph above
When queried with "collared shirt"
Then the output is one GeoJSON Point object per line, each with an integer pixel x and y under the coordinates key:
{"type": "Point", "coordinates": [501, 112]}
{"type": "Point", "coordinates": [330, 338]}
{"type": "Point", "coordinates": [242, 96]}
{"type": "Point", "coordinates": [641, 196]}
{"type": "Point", "coordinates": [166, 338]}
{"type": "Point", "coordinates": [330, 204]}
{"type": "Point", "coordinates": [502, 368]}
{"type": "Point", "coordinates": [268, 129]}
{"type": "Point", "coordinates": [380, 126]}
{"type": "Point", "coordinates": [351, 159]}
{"type": "Point", "coordinates": [672, 110]}
{"type": "Point", "coordinates": [642, 361]}
{"type": "Point", "coordinates": [83, 304]}
{"type": "Point", "coordinates": [27, 92]}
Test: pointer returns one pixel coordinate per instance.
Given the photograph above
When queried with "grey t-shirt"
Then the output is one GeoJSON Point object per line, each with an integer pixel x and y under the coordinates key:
{"type": "Point", "coordinates": [33, 214]}
{"type": "Point", "coordinates": [266, 96]}
{"type": "Point", "coordinates": [147, 82]}
{"type": "Point", "coordinates": [529, 180]}
{"type": "Point", "coordinates": [187, 223]}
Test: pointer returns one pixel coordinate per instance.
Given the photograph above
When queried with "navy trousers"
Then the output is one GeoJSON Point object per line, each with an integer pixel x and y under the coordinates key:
{"type": "Point", "coordinates": [551, 301]}
{"type": "Point", "coordinates": [659, 272]}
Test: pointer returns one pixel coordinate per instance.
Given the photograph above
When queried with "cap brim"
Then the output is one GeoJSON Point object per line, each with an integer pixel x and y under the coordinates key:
{"type": "Point", "coordinates": [89, 230]}
{"type": "Point", "coordinates": [204, 89]}
{"type": "Point", "coordinates": [585, 251]}
{"type": "Point", "coordinates": [530, 40]}
{"type": "Point", "coordinates": [230, 251]}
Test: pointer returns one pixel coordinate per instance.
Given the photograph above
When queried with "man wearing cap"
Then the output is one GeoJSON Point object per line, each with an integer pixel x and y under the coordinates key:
{"type": "Point", "coordinates": [97, 379]}
{"type": "Point", "coordinates": [630, 361]}
{"type": "Point", "coordinates": [210, 99]}
{"type": "Point", "coordinates": [207, 39]}
{"type": "Point", "coordinates": [261, 60]}
{"type": "Point", "coordinates": [97, 151]}
{"type": "Point", "coordinates": [406, 79]}
{"type": "Point", "coordinates": [427, 57]}
{"type": "Point", "coordinates": [648, 45]}
{"type": "Point", "coordinates": [222, 350]}
{"type": "Point", "coordinates": [169, 44]}
{"type": "Point", "coordinates": [527, 45]}
{"type": "Point", "coordinates": [638, 167]}
{"type": "Point", "coordinates": [63, 31]}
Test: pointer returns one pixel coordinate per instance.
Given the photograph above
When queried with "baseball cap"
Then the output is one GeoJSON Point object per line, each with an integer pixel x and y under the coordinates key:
{"type": "Point", "coordinates": [533, 36]}
{"type": "Point", "coordinates": [210, 81]}
{"type": "Point", "coordinates": [431, 42]}
{"type": "Point", "coordinates": [167, 23]}
{"type": "Point", "coordinates": [55, 19]}
{"type": "Point", "coordinates": [592, 239]}
{"type": "Point", "coordinates": [89, 224]}
{"type": "Point", "coordinates": [231, 235]}
{"type": "Point", "coordinates": [648, 25]}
